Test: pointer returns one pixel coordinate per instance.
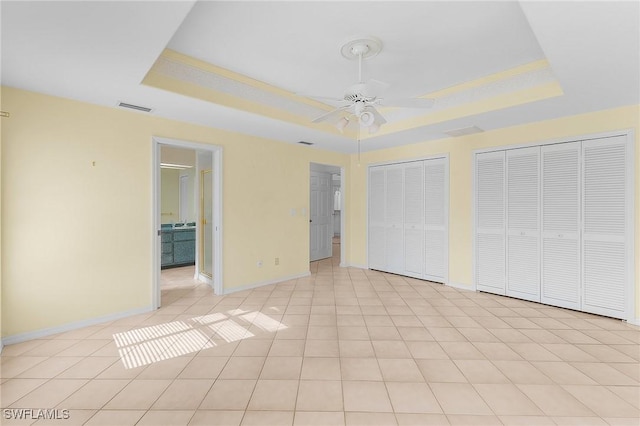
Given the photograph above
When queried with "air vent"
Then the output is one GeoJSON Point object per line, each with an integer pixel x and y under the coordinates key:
{"type": "Point", "coordinates": [136, 107]}
{"type": "Point", "coordinates": [305, 143]}
{"type": "Point", "coordinates": [464, 131]}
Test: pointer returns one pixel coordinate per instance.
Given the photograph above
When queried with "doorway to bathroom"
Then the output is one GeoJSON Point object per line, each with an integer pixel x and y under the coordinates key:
{"type": "Point", "coordinates": [187, 216]}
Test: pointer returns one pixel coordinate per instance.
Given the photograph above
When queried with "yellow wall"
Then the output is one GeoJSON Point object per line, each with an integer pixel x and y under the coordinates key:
{"type": "Point", "coordinates": [77, 237]}
{"type": "Point", "coordinates": [460, 157]}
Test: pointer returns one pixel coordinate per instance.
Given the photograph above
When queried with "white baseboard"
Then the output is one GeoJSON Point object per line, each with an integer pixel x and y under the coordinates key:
{"type": "Point", "coordinates": [354, 265]}
{"type": "Point", "coordinates": [37, 334]}
{"type": "Point", "coordinates": [461, 286]}
{"type": "Point", "coordinates": [263, 283]}
{"type": "Point", "coordinates": [204, 279]}
{"type": "Point", "coordinates": [634, 321]}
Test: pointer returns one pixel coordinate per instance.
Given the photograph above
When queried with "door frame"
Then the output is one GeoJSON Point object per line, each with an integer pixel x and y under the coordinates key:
{"type": "Point", "coordinates": [331, 168]}
{"type": "Point", "coordinates": [216, 151]}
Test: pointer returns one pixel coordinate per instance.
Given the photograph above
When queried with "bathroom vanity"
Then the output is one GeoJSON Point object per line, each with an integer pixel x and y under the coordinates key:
{"type": "Point", "coordinates": [178, 246]}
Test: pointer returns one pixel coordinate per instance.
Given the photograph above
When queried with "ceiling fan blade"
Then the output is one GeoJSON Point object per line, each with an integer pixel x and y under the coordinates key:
{"type": "Point", "coordinates": [324, 98]}
{"type": "Point", "coordinates": [331, 114]}
{"type": "Point", "coordinates": [379, 118]}
{"type": "Point", "coordinates": [407, 102]}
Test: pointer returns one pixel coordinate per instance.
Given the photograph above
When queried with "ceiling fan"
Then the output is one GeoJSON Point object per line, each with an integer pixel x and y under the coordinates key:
{"type": "Point", "coordinates": [362, 97]}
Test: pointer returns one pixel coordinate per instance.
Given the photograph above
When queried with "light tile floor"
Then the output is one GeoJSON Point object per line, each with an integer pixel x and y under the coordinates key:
{"type": "Point", "coordinates": [343, 346]}
{"type": "Point", "coordinates": [182, 276]}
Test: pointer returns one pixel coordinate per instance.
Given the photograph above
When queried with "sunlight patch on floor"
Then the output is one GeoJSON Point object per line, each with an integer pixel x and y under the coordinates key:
{"type": "Point", "coordinates": [144, 346]}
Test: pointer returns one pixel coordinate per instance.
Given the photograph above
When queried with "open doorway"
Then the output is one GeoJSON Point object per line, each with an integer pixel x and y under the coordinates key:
{"type": "Point", "coordinates": [326, 212]}
{"type": "Point", "coordinates": [187, 215]}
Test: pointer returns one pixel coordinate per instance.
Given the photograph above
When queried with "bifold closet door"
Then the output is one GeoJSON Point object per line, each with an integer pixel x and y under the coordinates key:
{"type": "Point", "coordinates": [523, 229]}
{"type": "Point", "coordinates": [394, 219]}
{"type": "Point", "coordinates": [560, 280]}
{"type": "Point", "coordinates": [413, 219]}
{"type": "Point", "coordinates": [490, 222]}
{"type": "Point", "coordinates": [605, 207]}
{"type": "Point", "coordinates": [376, 218]}
{"type": "Point", "coordinates": [436, 217]}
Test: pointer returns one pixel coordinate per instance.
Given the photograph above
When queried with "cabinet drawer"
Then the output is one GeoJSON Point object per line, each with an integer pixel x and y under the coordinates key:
{"type": "Point", "coordinates": [167, 248]}
{"type": "Point", "coordinates": [184, 235]}
{"type": "Point", "coordinates": [167, 237]}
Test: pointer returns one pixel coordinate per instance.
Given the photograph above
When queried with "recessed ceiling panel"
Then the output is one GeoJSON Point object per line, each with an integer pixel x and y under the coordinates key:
{"type": "Point", "coordinates": [426, 46]}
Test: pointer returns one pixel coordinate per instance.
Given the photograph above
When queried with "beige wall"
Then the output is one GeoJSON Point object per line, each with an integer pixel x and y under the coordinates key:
{"type": "Point", "coordinates": [460, 156]}
{"type": "Point", "coordinates": [77, 229]}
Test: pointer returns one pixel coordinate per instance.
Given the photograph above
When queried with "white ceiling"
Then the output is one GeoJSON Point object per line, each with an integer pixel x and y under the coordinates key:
{"type": "Point", "coordinates": [99, 52]}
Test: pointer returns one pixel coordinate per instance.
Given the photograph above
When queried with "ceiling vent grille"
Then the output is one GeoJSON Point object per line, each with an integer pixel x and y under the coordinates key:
{"type": "Point", "coordinates": [305, 143]}
{"type": "Point", "coordinates": [464, 131]}
{"type": "Point", "coordinates": [136, 107]}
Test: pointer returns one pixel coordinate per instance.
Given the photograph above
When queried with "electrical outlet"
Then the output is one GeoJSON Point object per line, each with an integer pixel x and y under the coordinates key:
{"type": "Point", "coordinates": [277, 261]}
{"type": "Point", "coordinates": [259, 264]}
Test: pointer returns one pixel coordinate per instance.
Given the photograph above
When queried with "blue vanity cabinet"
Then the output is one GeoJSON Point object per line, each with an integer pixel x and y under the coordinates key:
{"type": "Point", "coordinates": [178, 247]}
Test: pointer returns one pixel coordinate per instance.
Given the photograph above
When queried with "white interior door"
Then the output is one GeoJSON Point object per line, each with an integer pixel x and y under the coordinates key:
{"type": "Point", "coordinates": [413, 219]}
{"type": "Point", "coordinates": [604, 265]}
{"type": "Point", "coordinates": [436, 219]}
{"type": "Point", "coordinates": [394, 220]}
{"type": "Point", "coordinates": [321, 209]}
{"type": "Point", "coordinates": [523, 229]}
{"type": "Point", "coordinates": [376, 218]}
{"type": "Point", "coordinates": [490, 222]}
{"type": "Point", "coordinates": [560, 280]}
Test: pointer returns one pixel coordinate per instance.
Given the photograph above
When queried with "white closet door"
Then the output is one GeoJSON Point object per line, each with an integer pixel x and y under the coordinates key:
{"type": "Point", "coordinates": [436, 217]}
{"type": "Point", "coordinates": [523, 229]}
{"type": "Point", "coordinates": [490, 222]}
{"type": "Point", "coordinates": [560, 281]}
{"type": "Point", "coordinates": [604, 255]}
{"type": "Point", "coordinates": [376, 218]}
{"type": "Point", "coordinates": [394, 220]}
{"type": "Point", "coordinates": [413, 219]}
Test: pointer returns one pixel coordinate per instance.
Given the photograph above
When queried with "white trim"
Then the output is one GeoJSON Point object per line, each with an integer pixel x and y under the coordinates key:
{"type": "Point", "coordinates": [37, 334]}
{"type": "Point", "coordinates": [204, 279]}
{"type": "Point", "coordinates": [264, 283]}
{"type": "Point", "coordinates": [353, 265]}
{"type": "Point", "coordinates": [631, 220]}
{"type": "Point", "coordinates": [343, 234]}
{"type": "Point", "coordinates": [460, 286]}
{"type": "Point", "coordinates": [634, 321]}
{"type": "Point", "coordinates": [578, 138]}
{"type": "Point", "coordinates": [409, 160]}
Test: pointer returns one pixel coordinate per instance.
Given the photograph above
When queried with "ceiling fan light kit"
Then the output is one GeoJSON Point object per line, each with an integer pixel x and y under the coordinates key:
{"type": "Point", "coordinates": [362, 97]}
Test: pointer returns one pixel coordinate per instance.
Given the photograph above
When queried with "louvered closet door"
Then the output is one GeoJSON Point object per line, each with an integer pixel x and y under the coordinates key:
{"type": "Point", "coordinates": [376, 218]}
{"type": "Point", "coordinates": [413, 219]}
{"type": "Point", "coordinates": [560, 281]}
{"type": "Point", "coordinates": [394, 220]}
{"type": "Point", "coordinates": [490, 222]}
{"type": "Point", "coordinates": [436, 173]}
{"type": "Point", "coordinates": [523, 230]}
{"type": "Point", "coordinates": [604, 256]}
